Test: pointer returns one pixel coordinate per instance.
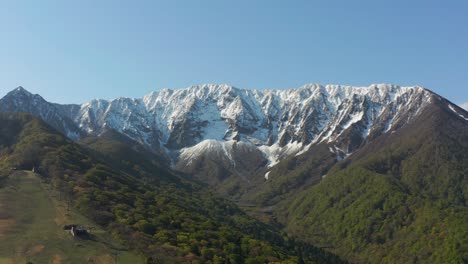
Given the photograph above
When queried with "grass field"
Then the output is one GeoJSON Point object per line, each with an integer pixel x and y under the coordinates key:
{"type": "Point", "coordinates": [31, 228]}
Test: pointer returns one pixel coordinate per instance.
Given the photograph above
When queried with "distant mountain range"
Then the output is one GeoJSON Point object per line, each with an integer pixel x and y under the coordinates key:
{"type": "Point", "coordinates": [273, 124]}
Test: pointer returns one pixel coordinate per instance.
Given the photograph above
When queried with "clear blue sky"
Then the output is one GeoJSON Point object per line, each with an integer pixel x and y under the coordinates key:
{"type": "Point", "coordinates": [73, 51]}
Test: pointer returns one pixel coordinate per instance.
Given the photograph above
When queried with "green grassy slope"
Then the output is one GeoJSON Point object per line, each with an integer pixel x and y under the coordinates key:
{"type": "Point", "coordinates": [31, 227]}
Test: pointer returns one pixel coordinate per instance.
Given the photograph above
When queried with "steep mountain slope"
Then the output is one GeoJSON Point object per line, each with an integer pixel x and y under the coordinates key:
{"type": "Point", "coordinates": [125, 154]}
{"type": "Point", "coordinates": [402, 198]}
{"type": "Point", "coordinates": [20, 100]}
{"type": "Point", "coordinates": [162, 216]}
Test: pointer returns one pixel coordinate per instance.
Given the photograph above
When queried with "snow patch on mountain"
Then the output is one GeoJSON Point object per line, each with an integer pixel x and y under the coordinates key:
{"type": "Point", "coordinates": [275, 153]}
{"type": "Point", "coordinates": [216, 149]}
{"type": "Point", "coordinates": [455, 111]}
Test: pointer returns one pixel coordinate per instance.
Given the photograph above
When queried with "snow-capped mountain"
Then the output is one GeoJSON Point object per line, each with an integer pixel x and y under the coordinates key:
{"type": "Point", "coordinates": [20, 100]}
{"type": "Point", "coordinates": [232, 123]}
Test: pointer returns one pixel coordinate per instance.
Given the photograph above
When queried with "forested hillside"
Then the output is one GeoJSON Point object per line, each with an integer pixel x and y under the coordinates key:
{"type": "Point", "coordinates": [162, 216]}
{"type": "Point", "coordinates": [401, 199]}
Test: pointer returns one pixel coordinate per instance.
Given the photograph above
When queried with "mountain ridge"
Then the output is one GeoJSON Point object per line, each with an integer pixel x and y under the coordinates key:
{"type": "Point", "coordinates": [249, 110]}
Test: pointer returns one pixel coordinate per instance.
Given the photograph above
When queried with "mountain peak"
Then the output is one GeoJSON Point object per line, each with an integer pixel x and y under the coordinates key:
{"type": "Point", "coordinates": [19, 90]}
